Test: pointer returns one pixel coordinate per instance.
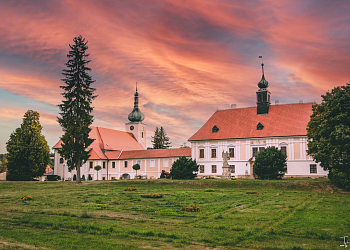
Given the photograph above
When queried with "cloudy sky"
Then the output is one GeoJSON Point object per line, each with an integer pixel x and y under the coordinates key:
{"type": "Point", "coordinates": [188, 57]}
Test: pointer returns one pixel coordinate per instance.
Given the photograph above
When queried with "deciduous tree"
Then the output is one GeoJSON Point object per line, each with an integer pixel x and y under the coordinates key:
{"type": "Point", "coordinates": [160, 139]}
{"type": "Point", "coordinates": [184, 169]}
{"type": "Point", "coordinates": [97, 168]}
{"type": "Point", "coordinates": [76, 107]}
{"type": "Point", "coordinates": [28, 151]}
{"type": "Point", "coordinates": [270, 164]}
{"type": "Point", "coordinates": [136, 167]}
{"type": "Point", "coordinates": [329, 135]}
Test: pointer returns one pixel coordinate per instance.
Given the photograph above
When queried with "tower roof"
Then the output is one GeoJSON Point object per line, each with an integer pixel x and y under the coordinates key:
{"type": "Point", "coordinates": [263, 84]}
{"type": "Point", "coordinates": [136, 114]}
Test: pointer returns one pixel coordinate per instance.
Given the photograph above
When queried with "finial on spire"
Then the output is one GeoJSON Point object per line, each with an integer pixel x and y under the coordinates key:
{"type": "Point", "coordinates": [136, 86]}
{"type": "Point", "coordinates": [263, 83]}
{"type": "Point", "coordinates": [262, 64]}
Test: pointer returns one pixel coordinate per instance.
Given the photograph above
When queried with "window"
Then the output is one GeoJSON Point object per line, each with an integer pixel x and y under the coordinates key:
{"type": "Point", "coordinates": [201, 153]}
{"type": "Point", "coordinates": [90, 164]}
{"type": "Point", "coordinates": [232, 169]}
{"type": "Point", "coordinates": [166, 163]}
{"type": "Point", "coordinates": [313, 169]}
{"type": "Point", "coordinates": [152, 163]}
{"type": "Point", "coordinates": [104, 164]}
{"type": "Point", "coordinates": [113, 164]}
{"type": "Point", "coordinates": [213, 169]}
{"type": "Point", "coordinates": [257, 150]}
{"type": "Point", "coordinates": [284, 150]}
{"type": "Point", "coordinates": [260, 126]}
{"type": "Point", "coordinates": [142, 134]}
{"type": "Point", "coordinates": [201, 169]}
{"type": "Point", "coordinates": [138, 162]}
{"type": "Point", "coordinates": [215, 129]}
{"type": "Point", "coordinates": [125, 164]}
{"type": "Point", "coordinates": [61, 160]}
{"type": "Point", "coordinates": [213, 153]}
{"type": "Point", "coordinates": [259, 97]}
{"type": "Point", "coordinates": [231, 152]}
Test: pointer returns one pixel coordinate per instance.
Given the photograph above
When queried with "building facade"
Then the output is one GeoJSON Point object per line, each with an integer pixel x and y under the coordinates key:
{"type": "Point", "coordinates": [244, 132]}
{"type": "Point", "coordinates": [117, 151]}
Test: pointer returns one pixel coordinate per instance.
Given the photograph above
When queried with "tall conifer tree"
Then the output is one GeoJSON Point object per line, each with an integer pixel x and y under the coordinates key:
{"type": "Point", "coordinates": [76, 108]}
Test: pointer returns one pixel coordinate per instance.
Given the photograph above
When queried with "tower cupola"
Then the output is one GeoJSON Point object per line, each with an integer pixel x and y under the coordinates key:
{"type": "Point", "coordinates": [263, 95]}
{"type": "Point", "coordinates": [136, 114]}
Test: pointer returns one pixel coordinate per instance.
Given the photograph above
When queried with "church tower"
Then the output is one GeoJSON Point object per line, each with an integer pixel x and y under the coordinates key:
{"type": "Point", "coordinates": [263, 95]}
{"type": "Point", "coordinates": [135, 126]}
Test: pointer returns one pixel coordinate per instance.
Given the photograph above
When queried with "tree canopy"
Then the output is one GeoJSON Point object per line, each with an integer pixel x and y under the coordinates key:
{"type": "Point", "coordinates": [76, 108]}
{"type": "Point", "coordinates": [160, 139]}
{"type": "Point", "coordinates": [28, 151]}
{"type": "Point", "coordinates": [184, 169]}
{"type": "Point", "coordinates": [270, 164]}
{"type": "Point", "coordinates": [329, 135]}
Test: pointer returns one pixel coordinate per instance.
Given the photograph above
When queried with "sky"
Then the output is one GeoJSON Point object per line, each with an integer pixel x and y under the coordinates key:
{"type": "Point", "coordinates": [188, 57]}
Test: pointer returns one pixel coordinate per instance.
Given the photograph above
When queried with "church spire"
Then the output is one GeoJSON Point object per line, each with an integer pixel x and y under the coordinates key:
{"type": "Point", "coordinates": [136, 115]}
{"type": "Point", "coordinates": [263, 95]}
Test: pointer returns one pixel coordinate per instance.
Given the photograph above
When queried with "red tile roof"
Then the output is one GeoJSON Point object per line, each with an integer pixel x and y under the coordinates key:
{"type": "Point", "coordinates": [282, 120]}
{"type": "Point", "coordinates": [151, 153]}
{"type": "Point", "coordinates": [108, 139]}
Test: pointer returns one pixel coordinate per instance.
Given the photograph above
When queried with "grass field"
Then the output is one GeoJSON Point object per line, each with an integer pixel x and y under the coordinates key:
{"type": "Point", "coordinates": [286, 214]}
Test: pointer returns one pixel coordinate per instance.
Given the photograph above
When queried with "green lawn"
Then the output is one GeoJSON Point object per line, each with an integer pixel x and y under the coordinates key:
{"type": "Point", "coordinates": [285, 214]}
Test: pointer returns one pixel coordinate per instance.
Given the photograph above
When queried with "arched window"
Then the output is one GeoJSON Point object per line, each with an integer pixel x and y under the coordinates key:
{"type": "Point", "coordinates": [61, 160]}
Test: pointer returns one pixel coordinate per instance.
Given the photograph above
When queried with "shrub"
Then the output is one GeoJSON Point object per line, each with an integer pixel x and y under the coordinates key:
{"type": "Point", "coordinates": [74, 177]}
{"type": "Point", "coordinates": [184, 168]}
{"type": "Point", "coordinates": [89, 177]}
{"type": "Point", "coordinates": [270, 164]}
{"type": "Point", "coordinates": [83, 177]}
{"type": "Point", "coordinates": [18, 177]}
{"type": "Point", "coordinates": [53, 177]}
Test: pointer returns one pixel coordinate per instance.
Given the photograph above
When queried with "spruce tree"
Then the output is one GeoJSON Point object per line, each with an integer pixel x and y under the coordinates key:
{"type": "Point", "coordinates": [76, 108]}
{"type": "Point", "coordinates": [160, 139]}
{"type": "Point", "coordinates": [28, 151]}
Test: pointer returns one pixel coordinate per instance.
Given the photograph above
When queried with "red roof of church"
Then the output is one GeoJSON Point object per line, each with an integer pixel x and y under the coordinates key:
{"type": "Point", "coordinates": [151, 153]}
{"type": "Point", "coordinates": [282, 120]}
{"type": "Point", "coordinates": [108, 139]}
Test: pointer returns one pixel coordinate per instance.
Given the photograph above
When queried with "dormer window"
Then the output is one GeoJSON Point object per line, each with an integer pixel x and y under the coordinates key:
{"type": "Point", "coordinates": [215, 129]}
{"type": "Point", "coordinates": [260, 126]}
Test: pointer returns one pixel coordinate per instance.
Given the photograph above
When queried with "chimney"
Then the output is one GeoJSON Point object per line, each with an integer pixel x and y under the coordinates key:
{"type": "Point", "coordinates": [277, 102]}
{"type": "Point", "coordinates": [233, 106]}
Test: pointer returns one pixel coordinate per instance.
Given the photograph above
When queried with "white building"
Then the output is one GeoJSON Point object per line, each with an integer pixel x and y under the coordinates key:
{"type": "Point", "coordinates": [243, 132]}
{"type": "Point", "coordinates": [117, 151]}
